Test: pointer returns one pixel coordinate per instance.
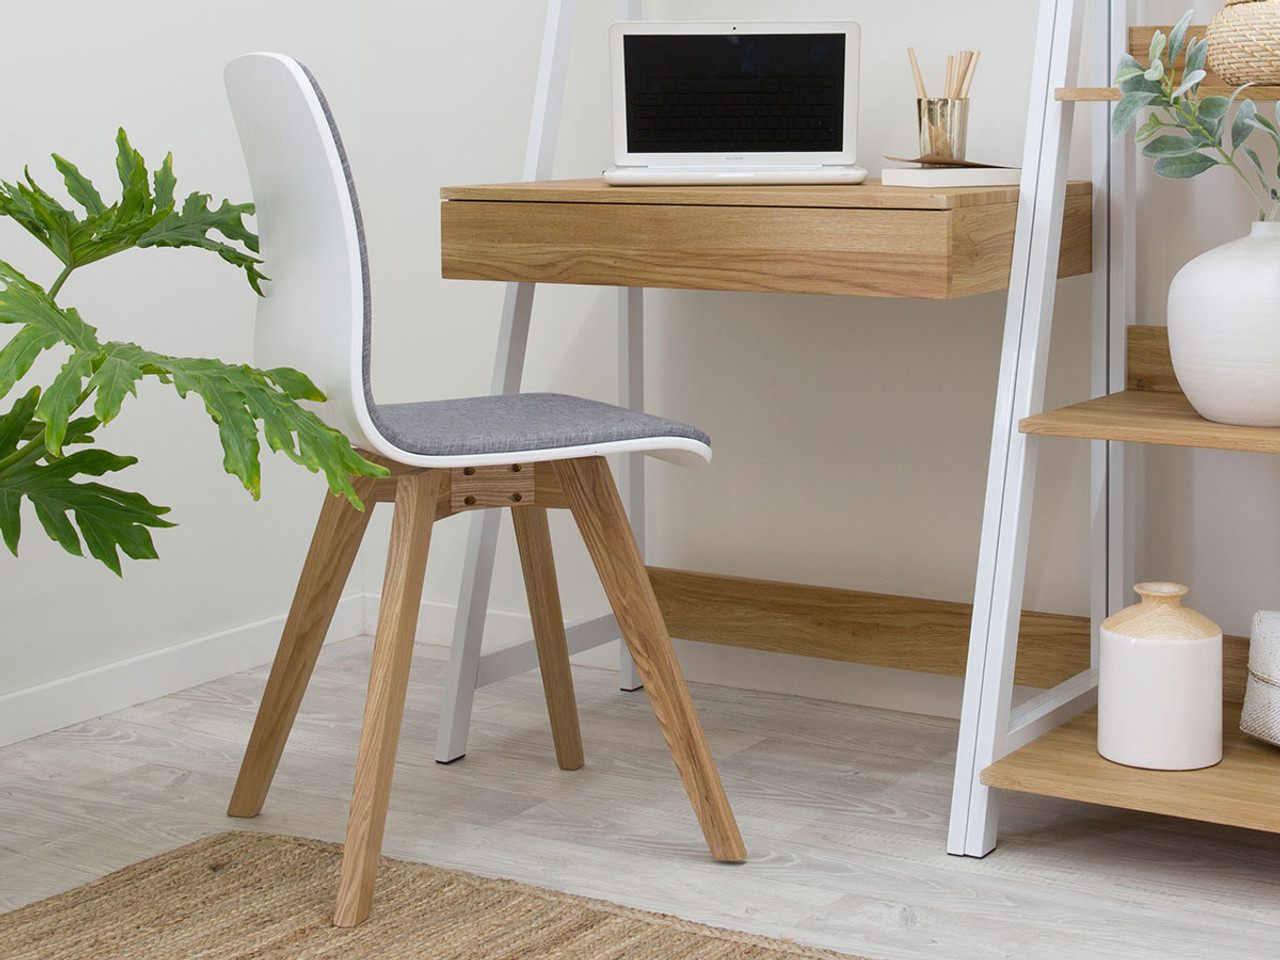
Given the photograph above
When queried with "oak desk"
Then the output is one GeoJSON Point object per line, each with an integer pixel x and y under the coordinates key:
{"type": "Point", "coordinates": [867, 240]}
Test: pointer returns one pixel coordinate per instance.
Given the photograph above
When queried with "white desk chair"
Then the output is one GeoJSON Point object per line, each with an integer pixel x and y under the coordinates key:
{"type": "Point", "coordinates": [528, 452]}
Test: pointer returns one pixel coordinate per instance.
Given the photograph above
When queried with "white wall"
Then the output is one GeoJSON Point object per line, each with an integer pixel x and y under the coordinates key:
{"type": "Point", "coordinates": [851, 435]}
{"type": "Point", "coordinates": [73, 72]}
{"type": "Point", "coordinates": [1209, 518]}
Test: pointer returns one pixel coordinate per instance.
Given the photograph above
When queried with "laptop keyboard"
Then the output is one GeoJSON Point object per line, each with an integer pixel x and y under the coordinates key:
{"type": "Point", "coordinates": [718, 114]}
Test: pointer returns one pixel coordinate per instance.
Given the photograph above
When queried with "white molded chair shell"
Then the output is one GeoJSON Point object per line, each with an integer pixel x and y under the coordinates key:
{"type": "Point", "coordinates": [316, 315]}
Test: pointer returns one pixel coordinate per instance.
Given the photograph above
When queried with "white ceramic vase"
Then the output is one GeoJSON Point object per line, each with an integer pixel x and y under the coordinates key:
{"type": "Point", "coordinates": [1160, 683]}
{"type": "Point", "coordinates": [1224, 329]}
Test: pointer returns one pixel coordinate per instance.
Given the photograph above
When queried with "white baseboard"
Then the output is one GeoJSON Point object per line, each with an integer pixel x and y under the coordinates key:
{"type": "Point", "coordinates": [114, 686]}
{"type": "Point", "coordinates": [50, 706]}
{"type": "Point", "coordinates": [853, 683]}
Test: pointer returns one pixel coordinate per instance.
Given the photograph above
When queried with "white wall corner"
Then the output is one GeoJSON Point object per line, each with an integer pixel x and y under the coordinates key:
{"type": "Point", "coordinates": [114, 686]}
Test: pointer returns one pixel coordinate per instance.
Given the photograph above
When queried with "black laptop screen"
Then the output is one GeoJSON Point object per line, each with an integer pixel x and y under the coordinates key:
{"type": "Point", "coordinates": [744, 93]}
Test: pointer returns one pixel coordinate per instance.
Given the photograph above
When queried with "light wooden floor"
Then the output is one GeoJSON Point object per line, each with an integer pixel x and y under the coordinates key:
{"type": "Point", "coordinates": [843, 810]}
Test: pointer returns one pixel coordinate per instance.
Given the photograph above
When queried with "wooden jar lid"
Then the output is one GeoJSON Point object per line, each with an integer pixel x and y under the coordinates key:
{"type": "Point", "coordinates": [1160, 615]}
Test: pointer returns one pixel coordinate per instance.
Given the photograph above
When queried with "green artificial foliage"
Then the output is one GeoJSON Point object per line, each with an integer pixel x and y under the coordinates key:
{"type": "Point", "coordinates": [39, 428]}
{"type": "Point", "coordinates": [1205, 137]}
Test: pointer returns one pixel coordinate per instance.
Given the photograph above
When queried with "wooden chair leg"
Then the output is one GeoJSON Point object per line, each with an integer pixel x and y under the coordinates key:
{"type": "Point", "coordinates": [589, 489]}
{"type": "Point", "coordinates": [415, 507]}
{"type": "Point", "coordinates": [533, 536]}
{"type": "Point", "coordinates": [333, 550]}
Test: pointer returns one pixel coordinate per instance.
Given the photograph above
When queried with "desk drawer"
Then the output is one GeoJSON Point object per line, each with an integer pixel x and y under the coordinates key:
{"type": "Point", "coordinates": [933, 254]}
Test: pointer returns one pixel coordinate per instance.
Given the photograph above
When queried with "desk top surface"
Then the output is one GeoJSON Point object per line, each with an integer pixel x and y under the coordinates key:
{"type": "Point", "coordinates": [870, 195]}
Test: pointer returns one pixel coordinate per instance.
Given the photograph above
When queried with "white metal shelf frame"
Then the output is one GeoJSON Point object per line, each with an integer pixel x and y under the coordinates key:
{"type": "Point", "coordinates": [989, 726]}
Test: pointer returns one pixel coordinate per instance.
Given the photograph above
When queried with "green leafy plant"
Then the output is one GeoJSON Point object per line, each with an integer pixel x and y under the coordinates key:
{"type": "Point", "coordinates": [1208, 135]}
{"type": "Point", "coordinates": [97, 376]}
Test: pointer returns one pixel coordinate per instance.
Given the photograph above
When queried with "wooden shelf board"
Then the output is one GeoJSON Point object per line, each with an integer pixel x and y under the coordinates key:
{"type": "Point", "coordinates": [1207, 89]}
{"type": "Point", "coordinates": [1140, 46]}
{"type": "Point", "coordinates": [1240, 791]}
{"type": "Point", "coordinates": [1086, 94]}
{"type": "Point", "coordinates": [1149, 416]}
{"type": "Point", "coordinates": [906, 633]}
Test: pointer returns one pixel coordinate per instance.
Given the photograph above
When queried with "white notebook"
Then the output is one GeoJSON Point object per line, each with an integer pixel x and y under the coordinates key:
{"type": "Point", "coordinates": [744, 102]}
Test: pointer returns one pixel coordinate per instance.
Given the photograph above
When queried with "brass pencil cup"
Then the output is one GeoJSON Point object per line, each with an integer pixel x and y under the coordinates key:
{"type": "Point", "coordinates": [944, 125]}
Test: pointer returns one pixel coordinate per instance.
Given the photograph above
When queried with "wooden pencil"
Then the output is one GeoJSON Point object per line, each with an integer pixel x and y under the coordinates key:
{"type": "Point", "coordinates": [973, 68]}
{"type": "Point", "coordinates": [915, 71]}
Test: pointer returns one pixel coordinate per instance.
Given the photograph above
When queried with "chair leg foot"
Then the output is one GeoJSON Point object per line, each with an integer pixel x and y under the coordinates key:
{"type": "Point", "coordinates": [589, 489]}
{"type": "Point", "coordinates": [533, 536]}
{"type": "Point", "coordinates": [333, 550]}
{"type": "Point", "coordinates": [415, 506]}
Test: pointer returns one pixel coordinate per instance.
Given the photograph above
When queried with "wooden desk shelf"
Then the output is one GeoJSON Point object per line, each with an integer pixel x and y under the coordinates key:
{"type": "Point", "coordinates": [867, 240]}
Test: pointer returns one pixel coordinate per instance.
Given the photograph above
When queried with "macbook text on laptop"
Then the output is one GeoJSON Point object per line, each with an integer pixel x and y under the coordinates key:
{"type": "Point", "coordinates": [734, 102]}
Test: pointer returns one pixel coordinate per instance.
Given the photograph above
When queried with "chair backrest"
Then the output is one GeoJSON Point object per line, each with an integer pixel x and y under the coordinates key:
{"type": "Point", "coordinates": [316, 313]}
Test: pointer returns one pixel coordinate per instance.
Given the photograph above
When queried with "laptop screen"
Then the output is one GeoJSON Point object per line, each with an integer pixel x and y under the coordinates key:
{"type": "Point", "coordinates": [734, 93]}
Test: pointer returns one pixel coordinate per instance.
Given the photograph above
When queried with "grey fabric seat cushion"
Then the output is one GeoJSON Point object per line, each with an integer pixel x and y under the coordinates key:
{"type": "Point", "coordinates": [517, 421]}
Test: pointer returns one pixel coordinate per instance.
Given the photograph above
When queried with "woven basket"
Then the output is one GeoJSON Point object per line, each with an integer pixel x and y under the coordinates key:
{"type": "Point", "coordinates": [1244, 42]}
{"type": "Point", "coordinates": [1260, 716]}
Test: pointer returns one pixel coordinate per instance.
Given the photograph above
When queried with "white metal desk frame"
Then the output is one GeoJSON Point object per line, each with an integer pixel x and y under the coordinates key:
{"type": "Point", "coordinates": [469, 668]}
{"type": "Point", "coordinates": [989, 728]}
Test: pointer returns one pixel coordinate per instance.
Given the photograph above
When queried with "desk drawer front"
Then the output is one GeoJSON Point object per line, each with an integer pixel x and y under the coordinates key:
{"type": "Point", "coordinates": [889, 253]}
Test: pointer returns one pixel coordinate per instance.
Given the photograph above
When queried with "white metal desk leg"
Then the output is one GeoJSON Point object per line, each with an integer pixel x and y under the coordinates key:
{"type": "Point", "coordinates": [513, 337]}
{"type": "Point", "coordinates": [997, 605]}
{"type": "Point", "coordinates": [631, 395]}
{"type": "Point", "coordinates": [482, 548]}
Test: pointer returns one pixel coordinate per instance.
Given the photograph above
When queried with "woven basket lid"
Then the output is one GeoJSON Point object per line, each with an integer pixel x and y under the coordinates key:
{"type": "Point", "coordinates": [1230, 2]}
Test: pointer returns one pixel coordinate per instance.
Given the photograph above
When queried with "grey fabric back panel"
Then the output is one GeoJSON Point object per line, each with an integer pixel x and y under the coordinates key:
{"type": "Point", "coordinates": [498, 424]}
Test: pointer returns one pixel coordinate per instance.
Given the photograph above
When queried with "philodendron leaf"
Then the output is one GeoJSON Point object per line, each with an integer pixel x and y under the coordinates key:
{"type": "Point", "coordinates": [238, 398]}
{"type": "Point", "coordinates": [17, 356]}
{"type": "Point", "coordinates": [109, 520]}
{"type": "Point", "coordinates": [115, 378]}
{"type": "Point", "coordinates": [165, 182]}
{"type": "Point", "coordinates": [191, 226]}
{"type": "Point", "coordinates": [62, 398]}
{"type": "Point", "coordinates": [79, 187]}
{"type": "Point", "coordinates": [1184, 167]}
{"type": "Point", "coordinates": [24, 302]}
{"type": "Point", "coordinates": [13, 425]}
{"type": "Point", "coordinates": [135, 191]}
{"type": "Point", "coordinates": [1127, 110]}
{"type": "Point", "coordinates": [142, 217]}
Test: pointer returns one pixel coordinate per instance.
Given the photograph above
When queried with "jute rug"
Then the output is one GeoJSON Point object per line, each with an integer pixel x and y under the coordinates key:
{"type": "Point", "coordinates": [237, 896]}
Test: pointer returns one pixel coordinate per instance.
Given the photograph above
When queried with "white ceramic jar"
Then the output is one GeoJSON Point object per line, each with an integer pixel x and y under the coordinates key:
{"type": "Point", "coordinates": [1160, 683]}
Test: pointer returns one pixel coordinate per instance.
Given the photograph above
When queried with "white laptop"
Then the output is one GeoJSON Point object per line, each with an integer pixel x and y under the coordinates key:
{"type": "Point", "coordinates": [745, 102]}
